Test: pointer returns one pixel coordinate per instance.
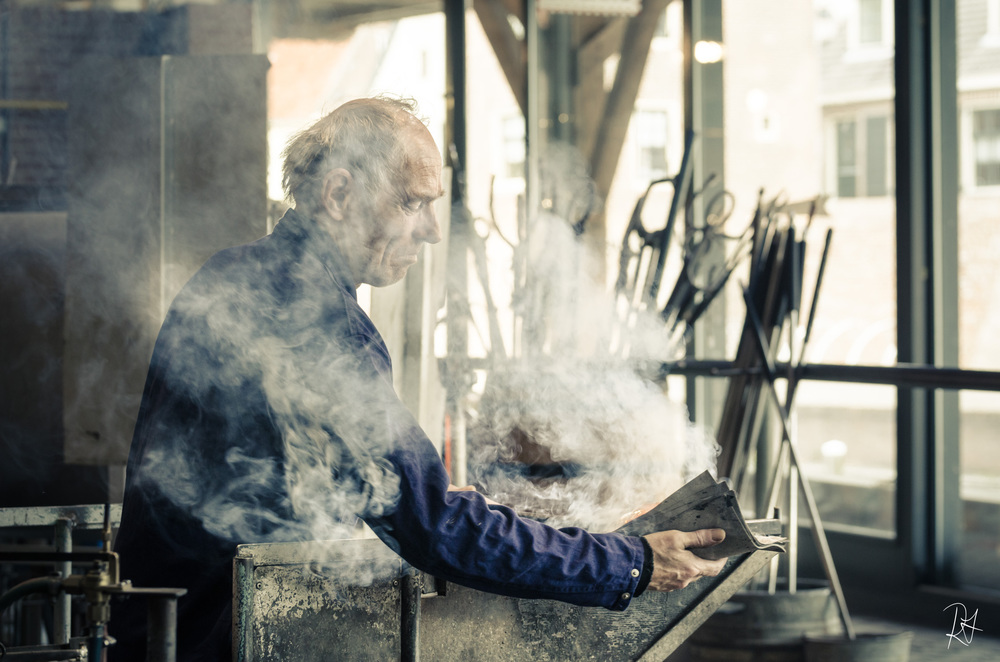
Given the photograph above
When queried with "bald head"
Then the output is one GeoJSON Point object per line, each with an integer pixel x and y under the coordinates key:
{"type": "Point", "coordinates": [363, 136]}
{"type": "Point", "coordinates": [368, 174]}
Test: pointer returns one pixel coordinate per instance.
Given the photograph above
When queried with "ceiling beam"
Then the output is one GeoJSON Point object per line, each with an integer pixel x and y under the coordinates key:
{"type": "Point", "coordinates": [620, 101]}
{"type": "Point", "coordinates": [511, 52]}
{"type": "Point", "coordinates": [311, 19]}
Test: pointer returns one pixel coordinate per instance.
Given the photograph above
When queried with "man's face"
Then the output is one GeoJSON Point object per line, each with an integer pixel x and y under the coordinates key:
{"type": "Point", "coordinates": [392, 228]}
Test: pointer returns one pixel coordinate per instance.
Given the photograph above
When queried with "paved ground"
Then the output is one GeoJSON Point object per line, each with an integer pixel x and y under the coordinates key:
{"type": "Point", "coordinates": [928, 645]}
{"type": "Point", "coordinates": [931, 644]}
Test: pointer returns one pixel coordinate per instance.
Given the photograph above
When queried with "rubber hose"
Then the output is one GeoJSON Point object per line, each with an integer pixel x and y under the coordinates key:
{"type": "Point", "coordinates": [50, 585]}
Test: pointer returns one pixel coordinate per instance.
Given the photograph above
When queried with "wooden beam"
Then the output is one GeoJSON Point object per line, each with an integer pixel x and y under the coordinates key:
{"type": "Point", "coordinates": [511, 52]}
{"type": "Point", "coordinates": [596, 48]}
{"type": "Point", "coordinates": [517, 8]}
{"type": "Point", "coordinates": [618, 108]}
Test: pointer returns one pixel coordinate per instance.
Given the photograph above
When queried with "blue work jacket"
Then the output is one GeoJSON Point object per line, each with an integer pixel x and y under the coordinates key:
{"type": "Point", "coordinates": [269, 415]}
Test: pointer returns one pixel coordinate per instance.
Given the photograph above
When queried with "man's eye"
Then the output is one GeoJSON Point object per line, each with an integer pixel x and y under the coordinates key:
{"type": "Point", "coordinates": [413, 206]}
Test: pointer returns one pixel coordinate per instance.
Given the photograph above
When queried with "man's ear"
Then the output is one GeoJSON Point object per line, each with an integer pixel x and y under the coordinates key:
{"type": "Point", "coordinates": [338, 188]}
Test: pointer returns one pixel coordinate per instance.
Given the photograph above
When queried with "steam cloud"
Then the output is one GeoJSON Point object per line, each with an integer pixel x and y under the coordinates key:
{"type": "Point", "coordinates": [600, 441]}
{"type": "Point", "coordinates": [622, 444]}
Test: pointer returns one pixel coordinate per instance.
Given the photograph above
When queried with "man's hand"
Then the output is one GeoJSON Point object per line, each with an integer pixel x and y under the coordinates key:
{"type": "Point", "coordinates": [674, 566]}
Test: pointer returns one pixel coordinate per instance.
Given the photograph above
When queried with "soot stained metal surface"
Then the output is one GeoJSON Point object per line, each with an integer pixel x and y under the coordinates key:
{"type": "Point", "coordinates": [301, 601]}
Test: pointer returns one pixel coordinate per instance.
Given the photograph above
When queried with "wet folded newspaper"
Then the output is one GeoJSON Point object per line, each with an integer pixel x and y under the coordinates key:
{"type": "Point", "coordinates": [704, 503]}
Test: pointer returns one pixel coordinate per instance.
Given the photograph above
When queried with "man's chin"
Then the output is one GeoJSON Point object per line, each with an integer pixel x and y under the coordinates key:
{"type": "Point", "coordinates": [388, 278]}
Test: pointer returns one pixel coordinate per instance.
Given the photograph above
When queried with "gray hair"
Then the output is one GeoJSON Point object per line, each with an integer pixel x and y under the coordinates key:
{"type": "Point", "coordinates": [360, 136]}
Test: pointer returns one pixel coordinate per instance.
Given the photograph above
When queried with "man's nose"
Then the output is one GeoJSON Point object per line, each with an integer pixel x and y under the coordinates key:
{"type": "Point", "coordinates": [428, 229]}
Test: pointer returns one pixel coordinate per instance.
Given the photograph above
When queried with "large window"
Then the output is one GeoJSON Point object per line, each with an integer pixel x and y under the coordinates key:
{"type": "Point", "coordinates": [833, 117]}
{"type": "Point", "coordinates": [978, 87]}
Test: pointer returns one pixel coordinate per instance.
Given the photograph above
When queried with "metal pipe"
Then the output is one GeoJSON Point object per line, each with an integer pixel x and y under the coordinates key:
{"type": "Point", "coordinates": [902, 374]}
{"type": "Point", "coordinates": [458, 237]}
{"type": "Point", "coordinates": [32, 104]}
{"type": "Point", "coordinates": [243, 616]}
{"type": "Point", "coordinates": [48, 585]}
{"type": "Point", "coordinates": [533, 116]}
{"type": "Point", "coordinates": [41, 654]}
{"type": "Point", "coordinates": [62, 613]}
{"type": "Point", "coordinates": [95, 643]}
{"type": "Point", "coordinates": [161, 635]}
{"type": "Point", "coordinates": [410, 590]}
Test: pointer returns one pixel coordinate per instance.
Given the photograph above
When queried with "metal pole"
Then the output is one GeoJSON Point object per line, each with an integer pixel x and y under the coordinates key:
{"type": "Point", "coordinates": [458, 238]}
{"type": "Point", "coordinates": [62, 614]}
{"type": "Point", "coordinates": [533, 117]}
{"type": "Point", "coordinates": [161, 635]}
{"type": "Point", "coordinates": [411, 589]}
{"type": "Point", "coordinates": [818, 531]}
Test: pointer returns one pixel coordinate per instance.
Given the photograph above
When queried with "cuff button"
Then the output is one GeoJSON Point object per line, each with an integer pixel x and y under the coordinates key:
{"type": "Point", "coordinates": [635, 572]}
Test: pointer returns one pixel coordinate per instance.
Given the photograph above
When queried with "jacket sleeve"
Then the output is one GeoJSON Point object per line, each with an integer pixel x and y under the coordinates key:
{"type": "Point", "coordinates": [459, 537]}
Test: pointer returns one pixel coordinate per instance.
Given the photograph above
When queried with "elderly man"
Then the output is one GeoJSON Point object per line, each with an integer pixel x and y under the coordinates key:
{"type": "Point", "coordinates": [269, 415]}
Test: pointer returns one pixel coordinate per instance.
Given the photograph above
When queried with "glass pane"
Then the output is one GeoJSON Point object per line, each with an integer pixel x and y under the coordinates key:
{"type": "Point", "coordinates": [978, 40]}
{"type": "Point", "coordinates": [846, 159]}
{"type": "Point", "coordinates": [828, 114]}
{"type": "Point", "coordinates": [877, 155]}
{"type": "Point", "coordinates": [979, 553]}
{"type": "Point", "coordinates": [848, 452]}
{"type": "Point", "coordinates": [871, 21]}
{"type": "Point", "coordinates": [979, 184]}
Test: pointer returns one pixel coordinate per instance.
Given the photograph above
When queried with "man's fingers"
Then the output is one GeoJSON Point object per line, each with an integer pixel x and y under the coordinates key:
{"type": "Point", "coordinates": [713, 568]}
{"type": "Point", "coordinates": [674, 565]}
{"type": "Point", "coordinates": [703, 538]}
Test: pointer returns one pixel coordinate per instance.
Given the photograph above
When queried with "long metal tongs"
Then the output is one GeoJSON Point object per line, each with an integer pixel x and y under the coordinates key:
{"type": "Point", "coordinates": [788, 451]}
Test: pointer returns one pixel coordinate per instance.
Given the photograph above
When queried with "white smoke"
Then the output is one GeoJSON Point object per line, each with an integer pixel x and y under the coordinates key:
{"type": "Point", "coordinates": [571, 432]}
{"type": "Point", "coordinates": [617, 443]}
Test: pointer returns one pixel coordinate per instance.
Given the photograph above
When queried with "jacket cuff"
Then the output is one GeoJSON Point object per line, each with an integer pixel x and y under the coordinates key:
{"type": "Point", "coordinates": [647, 567]}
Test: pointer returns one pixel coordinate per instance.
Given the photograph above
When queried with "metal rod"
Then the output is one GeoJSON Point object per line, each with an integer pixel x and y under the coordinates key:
{"type": "Point", "coordinates": [681, 183]}
{"type": "Point", "coordinates": [32, 104]}
{"type": "Point", "coordinates": [818, 531]}
{"type": "Point", "coordinates": [41, 654]}
{"type": "Point", "coordinates": [793, 528]}
{"type": "Point", "coordinates": [902, 374]}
